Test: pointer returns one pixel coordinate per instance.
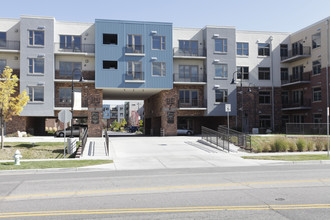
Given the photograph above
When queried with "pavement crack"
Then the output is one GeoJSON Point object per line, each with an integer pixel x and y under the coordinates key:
{"type": "Point", "coordinates": [11, 191]}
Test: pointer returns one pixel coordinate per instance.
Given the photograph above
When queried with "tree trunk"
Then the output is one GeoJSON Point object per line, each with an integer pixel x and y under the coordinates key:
{"type": "Point", "coordinates": [2, 132]}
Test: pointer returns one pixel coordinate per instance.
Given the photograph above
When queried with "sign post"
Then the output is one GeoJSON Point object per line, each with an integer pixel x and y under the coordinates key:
{"type": "Point", "coordinates": [64, 116]}
{"type": "Point", "coordinates": [228, 109]}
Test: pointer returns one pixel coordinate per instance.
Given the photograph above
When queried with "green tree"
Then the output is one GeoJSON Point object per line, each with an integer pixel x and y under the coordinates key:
{"type": "Point", "coordinates": [123, 123]}
{"type": "Point", "coordinates": [11, 103]}
{"type": "Point", "coordinates": [115, 124]}
{"type": "Point", "coordinates": [141, 123]}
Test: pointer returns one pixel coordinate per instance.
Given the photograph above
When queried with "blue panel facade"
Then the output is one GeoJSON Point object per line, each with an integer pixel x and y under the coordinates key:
{"type": "Point", "coordinates": [127, 50]}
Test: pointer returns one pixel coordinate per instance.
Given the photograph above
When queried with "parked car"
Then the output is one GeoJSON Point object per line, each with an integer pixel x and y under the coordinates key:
{"type": "Point", "coordinates": [185, 132]}
{"type": "Point", "coordinates": [133, 129]}
{"type": "Point", "coordinates": [76, 132]}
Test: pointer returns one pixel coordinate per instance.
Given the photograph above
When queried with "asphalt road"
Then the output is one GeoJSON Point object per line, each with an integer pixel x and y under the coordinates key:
{"type": "Point", "coordinates": [265, 192]}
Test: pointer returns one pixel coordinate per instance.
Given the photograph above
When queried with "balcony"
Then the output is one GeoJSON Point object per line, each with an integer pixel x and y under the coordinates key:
{"type": "Point", "coordinates": [80, 48]}
{"type": "Point", "coordinates": [189, 52]}
{"type": "Point", "coordinates": [87, 75]}
{"type": "Point", "coordinates": [9, 45]}
{"type": "Point", "coordinates": [302, 78]}
{"type": "Point", "coordinates": [193, 104]}
{"type": "Point", "coordinates": [189, 79]}
{"type": "Point", "coordinates": [302, 104]}
{"type": "Point", "coordinates": [297, 54]}
{"type": "Point", "coordinates": [134, 77]}
{"type": "Point", "coordinates": [66, 102]}
{"type": "Point", "coordinates": [134, 50]}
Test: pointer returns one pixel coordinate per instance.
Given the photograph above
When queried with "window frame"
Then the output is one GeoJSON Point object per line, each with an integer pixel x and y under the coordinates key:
{"type": "Point", "coordinates": [265, 121]}
{"type": "Point", "coordinates": [245, 73]}
{"type": "Point", "coordinates": [162, 42]}
{"type": "Point", "coordinates": [3, 41]}
{"type": "Point", "coordinates": [111, 63]}
{"type": "Point", "coordinates": [223, 67]}
{"type": "Point", "coordinates": [67, 94]}
{"type": "Point", "coordinates": [187, 72]}
{"type": "Point", "coordinates": [284, 74]}
{"type": "Point", "coordinates": [264, 49]}
{"type": "Point", "coordinates": [188, 100]}
{"type": "Point", "coordinates": [315, 38]}
{"type": "Point", "coordinates": [240, 50]}
{"type": "Point", "coordinates": [221, 43]}
{"type": "Point", "coordinates": [72, 45]}
{"type": "Point", "coordinates": [31, 92]}
{"type": "Point", "coordinates": [318, 119]}
{"type": "Point", "coordinates": [316, 67]}
{"type": "Point", "coordinates": [264, 97]}
{"type": "Point", "coordinates": [110, 43]}
{"type": "Point", "coordinates": [224, 98]}
{"type": "Point", "coordinates": [32, 39]}
{"type": "Point", "coordinates": [317, 94]}
{"type": "Point", "coordinates": [162, 69]}
{"type": "Point", "coordinates": [264, 72]}
{"type": "Point", "coordinates": [32, 66]}
{"type": "Point", "coordinates": [3, 67]}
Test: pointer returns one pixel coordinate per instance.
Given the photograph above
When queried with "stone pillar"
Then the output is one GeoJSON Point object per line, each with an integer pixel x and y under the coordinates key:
{"type": "Point", "coordinates": [95, 113]}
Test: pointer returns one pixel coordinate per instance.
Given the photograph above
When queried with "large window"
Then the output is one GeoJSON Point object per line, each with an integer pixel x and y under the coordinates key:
{"type": "Point", "coordinates": [36, 94]}
{"type": "Point", "coordinates": [264, 97]}
{"type": "Point", "coordinates": [188, 72]}
{"type": "Point", "coordinates": [3, 39]}
{"type": "Point", "coordinates": [65, 95]}
{"type": "Point", "coordinates": [36, 38]}
{"type": "Point", "coordinates": [243, 49]}
{"type": "Point", "coordinates": [188, 98]}
{"type": "Point", "coordinates": [3, 64]}
{"type": "Point", "coordinates": [36, 65]}
{"type": "Point", "coordinates": [297, 72]}
{"type": "Point", "coordinates": [243, 72]}
{"type": "Point", "coordinates": [221, 95]}
{"type": "Point", "coordinates": [297, 96]}
{"type": "Point", "coordinates": [317, 94]}
{"type": "Point", "coordinates": [134, 70]}
{"type": "Point", "coordinates": [264, 73]}
{"type": "Point", "coordinates": [263, 49]}
{"type": "Point", "coordinates": [221, 71]}
{"type": "Point", "coordinates": [66, 69]}
{"type": "Point", "coordinates": [316, 40]}
{"type": "Point", "coordinates": [285, 97]}
{"type": "Point", "coordinates": [265, 121]}
{"type": "Point", "coordinates": [284, 74]}
{"type": "Point", "coordinates": [158, 43]}
{"type": "Point", "coordinates": [134, 43]}
{"type": "Point", "coordinates": [110, 39]}
{"type": "Point", "coordinates": [109, 64]}
{"type": "Point", "coordinates": [316, 67]}
{"type": "Point", "coordinates": [317, 118]}
{"type": "Point", "coordinates": [221, 45]}
{"type": "Point", "coordinates": [159, 69]}
{"type": "Point", "coordinates": [189, 47]}
{"type": "Point", "coordinates": [70, 42]}
{"type": "Point", "coordinates": [284, 51]}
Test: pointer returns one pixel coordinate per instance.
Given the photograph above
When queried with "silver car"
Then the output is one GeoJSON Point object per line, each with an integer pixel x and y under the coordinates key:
{"type": "Point", "coordinates": [185, 132]}
{"type": "Point", "coordinates": [76, 132]}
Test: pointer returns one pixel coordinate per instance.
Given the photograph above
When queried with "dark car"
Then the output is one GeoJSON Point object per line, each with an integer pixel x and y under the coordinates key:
{"type": "Point", "coordinates": [133, 129]}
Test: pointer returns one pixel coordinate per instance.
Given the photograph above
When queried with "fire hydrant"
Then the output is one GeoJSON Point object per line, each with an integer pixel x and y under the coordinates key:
{"type": "Point", "coordinates": [17, 156]}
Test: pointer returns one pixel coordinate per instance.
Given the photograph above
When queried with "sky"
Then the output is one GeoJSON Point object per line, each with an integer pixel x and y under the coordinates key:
{"type": "Point", "coordinates": [257, 15]}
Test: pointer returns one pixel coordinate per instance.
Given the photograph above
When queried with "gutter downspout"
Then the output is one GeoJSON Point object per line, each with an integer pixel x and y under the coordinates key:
{"type": "Point", "coordinates": [327, 81]}
{"type": "Point", "coordinates": [272, 70]}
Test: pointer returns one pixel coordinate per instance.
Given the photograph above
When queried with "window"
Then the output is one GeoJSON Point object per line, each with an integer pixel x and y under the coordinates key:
{"type": "Point", "coordinates": [188, 72]}
{"type": "Point", "coordinates": [221, 45]}
{"type": "Point", "coordinates": [285, 98]}
{"type": "Point", "coordinates": [107, 64]}
{"type": "Point", "coordinates": [134, 44]}
{"type": "Point", "coordinates": [243, 49]}
{"type": "Point", "coordinates": [110, 39]}
{"type": "Point", "coordinates": [316, 67]}
{"type": "Point", "coordinates": [316, 40]}
{"type": "Point", "coordinates": [264, 97]}
{"type": "Point", "coordinates": [221, 70]}
{"type": "Point", "coordinates": [36, 94]}
{"type": "Point", "coordinates": [317, 118]}
{"type": "Point", "coordinates": [36, 38]}
{"type": "Point", "coordinates": [284, 51]}
{"type": "Point", "coordinates": [66, 69]}
{"type": "Point", "coordinates": [297, 96]}
{"type": "Point", "coordinates": [65, 95]}
{"type": "Point", "coordinates": [2, 65]}
{"type": "Point", "coordinates": [263, 49]}
{"type": "Point", "coordinates": [70, 42]}
{"type": "Point", "coordinates": [3, 39]}
{"type": "Point", "coordinates": [317, 94]}
{"type": "Point", "coordinates": [159, 69]}
{"type": "Point", "coordinates": [158, 43]}
{"type": "Point", "coordinates": [36, 65]}
{"type": "Point", "coordinates": [134, 70]}
{"type": "Point", "coordinates": [298, 119]}
{"type": "Point", "coordinates": [265, 121]}
{"type": "Point", "coordinates": [189, 47]}
{"type": "Point", "coordinates": [264, 73]}
{"type": "Point", "coordinates": [243, 71]}
{"type": "Point", "coordinates": [297, 48]}
{"type": "Point", "coordinates": [297, 72]}
{"type": "Point", "coordinates": [284, 74]}
{"type": "Point", "coordinates": [188, 98]}
{"type": "Point", "coordinates": [221, 95]}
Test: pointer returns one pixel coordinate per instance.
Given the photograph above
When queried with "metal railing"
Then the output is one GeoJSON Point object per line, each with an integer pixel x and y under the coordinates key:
{"type": "Point", "coordinates": [216, 138]}
{"type": "Point", "coordinates": [196, 52]}
{"type": "Point", "coordinates": [136, 49]}
{"type": "Point", "coordinates": [302, 77]}
{"type": "Point", "coordinates": [87, 75]}
{"type": "Point", "coordinates": [193, 103]}
{"type": "Point", "coordinates": [237, 138]}
{"type": "Point", "coordinates": [177, 77]}
{"type": "Point", "coordinates": [306, 128]}
{"type": "Point", "coordinates": [9, 45]}
{"type": "Point", "coordinates": [66, 102]}
{"type": "Point", "coordinates": [134, 75]}
{"type": "Point", "coordinates": [296, 104]}
{"type": "Point", "coordinates": [107, 143]}
{"type": "Point", "coordinates": [83, 139]}
{"type": "Point", "coordinates": [302, 51]}
{"type": "Point", "coordinates": [80, 48]}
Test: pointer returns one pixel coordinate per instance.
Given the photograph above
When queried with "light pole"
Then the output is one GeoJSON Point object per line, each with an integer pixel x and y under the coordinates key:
{"type": "Point", "coordinates": [233, 81]}
{"type": "Point", "coordinates": [80, 80]}
{"type": "Point", "coordinates": [255, 102]}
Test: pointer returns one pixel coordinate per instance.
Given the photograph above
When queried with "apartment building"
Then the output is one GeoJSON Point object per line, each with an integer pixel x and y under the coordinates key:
{"type": "Point", "coordinates": [134, 112]}
{"type": "Point", "coordinates": [185, 76]}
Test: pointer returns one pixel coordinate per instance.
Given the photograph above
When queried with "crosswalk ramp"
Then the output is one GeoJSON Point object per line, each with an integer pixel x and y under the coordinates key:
{"type": "Point", "coordinates": [95, 149]}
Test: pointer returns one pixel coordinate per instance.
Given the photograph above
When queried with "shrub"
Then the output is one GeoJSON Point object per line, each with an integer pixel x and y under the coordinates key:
{"type": "Point", "coordinates": [292, 146]}
{"type": "Point", "coordinates": [266, 148]}
{"type": "Point", "coordinates": [325, 145]}
{"type": "Point", "coordinates": [310, 146]}
{"type": "Point", "coordinates": [301, 145]}
{"type": "Point", "coordinates": [319, 146]}
{"type": "Point", "coordinates": [279, 145]}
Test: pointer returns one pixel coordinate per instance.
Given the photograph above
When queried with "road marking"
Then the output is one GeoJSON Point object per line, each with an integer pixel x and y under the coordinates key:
{"type": "Point", "coordinates": [165, 209]}
{"type": "Point", "coordinates": [91, 192]}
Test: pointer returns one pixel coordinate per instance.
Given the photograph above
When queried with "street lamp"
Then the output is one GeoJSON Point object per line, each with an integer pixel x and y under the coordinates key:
{"type": "Point", "coordinates": [255, 102]}
{"type": "Point", "coordinates": [233, 81]}
{"type": "Point", "coordinates": [80, 80]}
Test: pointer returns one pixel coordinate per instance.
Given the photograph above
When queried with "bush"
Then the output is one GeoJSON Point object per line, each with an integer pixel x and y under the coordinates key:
{"type": "Point", "coordinates": [301, 145]}
{"type": "Point", "coordinates": [310, 146]}
{"type": "Point", "coordinates": [319, 146]}
{"type": "Point", "coordinates": [279, 145]}
{"type": "Point", "coordinates": [266, 148]}
{"type": "Point", "coordinates": [292, 146]}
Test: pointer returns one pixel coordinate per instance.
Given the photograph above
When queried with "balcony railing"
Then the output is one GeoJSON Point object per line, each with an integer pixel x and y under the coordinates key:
{"type": "Point", "coordinates": [296, 54]}
{"type": "Point", "coordinates": [81, 48]}
{"type": "Point", "coordinates": [87, 75]}
{"type": "Point", "coordinates": [300, 78]}
{"type": "Point", "coordinates": [9, 45]}
{"type": "Point", "coordinates": [188, 52]}
{"type": "Point", "coordinates": [134, 76]}
{"type": "Point", "coordinates": [177, 77]}
{"type": "Point", "coordinates": [66, 102]}
{"type": "Point", "coordinates": [134, 49]}
{"type": "Point", "coordinates": [299, 104]}
{"type": "Point", "coordinates": [192, 103]}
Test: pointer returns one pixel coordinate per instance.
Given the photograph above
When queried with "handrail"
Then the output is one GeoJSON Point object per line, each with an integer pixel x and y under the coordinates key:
{"type": "Point", "coordinates": [106, 142]}
{"type": "Point", "coordinates": [215, 138]}
{"type": "Point", "coordinates": [83, 139]}
{"type": "Point", "coordinates": [238, 138]}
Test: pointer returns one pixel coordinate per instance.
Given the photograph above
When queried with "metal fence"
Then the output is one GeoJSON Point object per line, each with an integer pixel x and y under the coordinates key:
{"type": "Point", "coordinates": [237, 138]}
{"type": "Point", "coordinates": [215, 138]}
{"type": "Point", "coordinates": [306, 128]}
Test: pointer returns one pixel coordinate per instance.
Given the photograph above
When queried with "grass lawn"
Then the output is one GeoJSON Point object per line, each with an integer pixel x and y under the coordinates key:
{"type": "Point", "coordinates": [40, 150]}
{"type": "Point", "coordinates": [51, 164]}
{"type": "Point", "coordinates": [290, 157]}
